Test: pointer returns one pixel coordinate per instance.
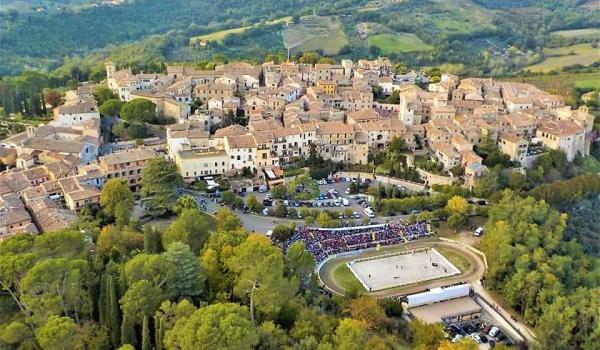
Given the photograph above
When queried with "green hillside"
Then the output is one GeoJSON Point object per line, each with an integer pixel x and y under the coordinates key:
{"type": "Point", "coordinates": [472, 33]}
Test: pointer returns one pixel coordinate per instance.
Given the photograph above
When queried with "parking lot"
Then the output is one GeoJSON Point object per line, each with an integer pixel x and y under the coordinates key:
{"type": "Point", "coordinates": [484, 332]}
{"type": "Point", "coordinates": [261, 223]}
{"type": "Point", "coordinates": [333, 196]}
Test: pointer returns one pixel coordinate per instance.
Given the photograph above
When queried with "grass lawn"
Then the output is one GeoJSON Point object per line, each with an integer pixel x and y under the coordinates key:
{"type": "Point", "coordinates": [456, 259]}
{"type": "Point", "coordinates": [403, 42]}
{"type": "Point", "coordinates": [578, 33]}
{"type": "Point", "coordinates": [346, 279]}
{"type": "Point", "coordinates": [560, 57]}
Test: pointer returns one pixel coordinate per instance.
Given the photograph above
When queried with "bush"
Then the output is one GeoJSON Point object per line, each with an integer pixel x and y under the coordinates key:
{"type": "Point", "coordinates": [282, 233]}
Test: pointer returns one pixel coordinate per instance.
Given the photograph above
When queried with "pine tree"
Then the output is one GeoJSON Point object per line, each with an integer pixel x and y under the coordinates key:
{"type": "Point", "coordinates": [146, 342]}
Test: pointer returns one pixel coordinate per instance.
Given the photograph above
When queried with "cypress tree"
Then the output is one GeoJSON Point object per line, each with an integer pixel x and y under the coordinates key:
{"type": "Point", "coordinates": [146, 343]}
{"type": "Point", "coordinates": [159, 331]}
{"type": "Point", "coordinates": [128, 331]}
{"type": "Point", "coordinates": [114, 312]}
{"type": "Point", "coordinates": [104, 302]}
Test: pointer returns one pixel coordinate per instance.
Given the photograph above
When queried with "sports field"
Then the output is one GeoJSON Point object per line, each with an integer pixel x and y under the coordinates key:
{"type": "Point", "coordinates": [400, 269]}
{"type": "Point", "coordinates": [402, 42]}
{"type": "Point", "coordinates": [557, 58]}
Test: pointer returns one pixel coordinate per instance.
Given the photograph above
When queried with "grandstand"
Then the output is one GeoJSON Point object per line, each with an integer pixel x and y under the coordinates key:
{"type": "Point", "coordinates": [325, 242]}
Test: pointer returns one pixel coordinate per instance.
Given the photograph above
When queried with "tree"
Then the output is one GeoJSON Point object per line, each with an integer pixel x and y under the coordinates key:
{"type": "Point", "coordinates": [300, 262]}
{"type": "Point", "coordinates": [152, 240]}
{"type": "Point", "coordinates": [57, 334]}
{"type": "Point", "coordinates": [155, 269]}
{"type": "Point", "coordinates": [350, 335]}
{"type": "Point", "coordinates": [52, 97]}
{"type": "Point", "coordinates": [146, 341]}
{"type": "Point", "coordinates": [228, 198]}
{"type": "Point", "coordinates": [258, 267]}
{"type": "Point", "coordinates": [253, 204]}
{"type": "Point", "coordinates": [121, 240]}
{"type": "Point", "coordinates": [57, 286]}
{"type": "Point", "coordinates": [280, 210]}
{"type": "Point", "coordinates": [141, 300]}
{"type": "Point", "coordinates": [463, 344]}
{"type": "Point", "coordinates": [217, 250]}
{"type": "Point", "coordinates": [272, 336]}
{"type": "Point", "coordinates": [282, 233]}
{"type": "Point", "coordinates": [116, 191]}
{"type": "Point", "coordinates": [367, 310]}
{"type": "Point", "coordinates": [103, 94]}
{"type": "Point", "coordinates": [190, 227]}
{"type": "Point", "coordinates": [111, 108]}
{"type": "Point", "coordinates": [218, 326]}
{"type": "Point", "coordinates": [159, 182]}
{"type": "Point", "coordinates": [556, 325]}
{"type": "Point", "coordinates": [324, 220]}
{"type": "Point", "coordinates": [279, 191]}
{"type": "Point", "coordinates": [188, 281]}
{"type": "Point", "coordinates": [456, 221]}
{"type": "Point", "coordinates": [184, 202]}
{"type": "Point", "coordinates": [425, 336]}
{"type": "Point", "coordinates": [122, 214]}
{"type": "Point", "coordinates": [227, 220]}
{"type": "Point", "coordinates": [140, 110]}
{"type": "Point", "coordinates": [457, 205]}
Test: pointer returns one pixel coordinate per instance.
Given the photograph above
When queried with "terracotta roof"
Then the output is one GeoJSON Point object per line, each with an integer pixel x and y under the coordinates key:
{"type": "Point", "coordinates": [128, 156]}
{"type": "Point", "coordinates": [232, 130]}
{"type": "Point", "coordinates": [241, 141]}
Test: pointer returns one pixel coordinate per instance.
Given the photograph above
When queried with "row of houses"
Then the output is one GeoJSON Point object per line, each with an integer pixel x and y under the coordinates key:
{"type": "Point", "coordinates": [292, 110]}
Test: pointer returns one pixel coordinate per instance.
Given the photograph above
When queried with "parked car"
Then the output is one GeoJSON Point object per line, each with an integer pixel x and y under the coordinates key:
{"type": "Point", "coordinates": [494, 331]}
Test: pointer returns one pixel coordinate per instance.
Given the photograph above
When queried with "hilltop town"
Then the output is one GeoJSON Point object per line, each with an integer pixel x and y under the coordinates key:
{"type": "Point", "coordinates": [290, 110]}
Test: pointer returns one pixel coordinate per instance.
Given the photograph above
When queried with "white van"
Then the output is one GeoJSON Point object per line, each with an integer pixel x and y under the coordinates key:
{"type": "Point", "coordinates": [345, 202]}
{"type": "Point", "coordinates": [269, 234]}
{"type": "Point", "coordinates": [369, 213]}
{"type": "Point", "coordinates": [478, 232]}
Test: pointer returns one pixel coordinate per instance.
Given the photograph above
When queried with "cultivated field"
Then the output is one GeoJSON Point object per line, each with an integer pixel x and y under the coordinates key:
{"type": "Point", "coordinates": [315, 33]}
{"type": "Point", "coordinates": [558, 58]}
{"type": "Point", "coordinates": [220, 35]}
{"type": "Point", "coordinates": [578, 33]}
{"type": "Point", "coordinates": [402, 42]}
{"type": "Point", "coordinates": [400, 269]}
{"type": "Point", "coordinates": [563, 83]}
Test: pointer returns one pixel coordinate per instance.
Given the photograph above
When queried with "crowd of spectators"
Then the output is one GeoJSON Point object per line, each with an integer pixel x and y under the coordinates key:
{"type": "Point", "coordinates": [325, 242]}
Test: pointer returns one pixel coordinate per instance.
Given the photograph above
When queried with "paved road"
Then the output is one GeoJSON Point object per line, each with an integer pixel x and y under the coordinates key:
{"type": "Point", "coordinates": [262, 224]}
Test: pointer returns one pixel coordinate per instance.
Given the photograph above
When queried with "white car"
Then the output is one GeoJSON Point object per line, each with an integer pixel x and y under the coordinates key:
{"type": "Point", "coordinates": [457, 338]}
{"type": "Point", "coordinates": [336, 202]}
{"type": "Point", "coordinates": [347, 191]}
{"type": "Point", "coordinates": [476, 337]}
